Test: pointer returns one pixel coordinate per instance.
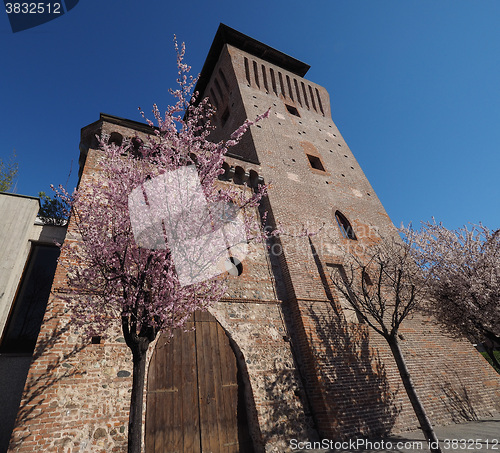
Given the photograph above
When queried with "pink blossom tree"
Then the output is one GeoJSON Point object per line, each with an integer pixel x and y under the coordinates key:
{"type": "Point", "coordinates": [462, 268]}
{"type": "Point", "coordinates": [131, 250]}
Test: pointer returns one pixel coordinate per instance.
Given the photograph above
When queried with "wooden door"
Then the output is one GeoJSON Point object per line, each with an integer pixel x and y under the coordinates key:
{"type": "Point", "coordinates": [195, 395]}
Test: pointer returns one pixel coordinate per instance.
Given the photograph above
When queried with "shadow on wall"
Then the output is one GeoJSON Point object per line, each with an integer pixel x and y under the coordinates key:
{"type": "Point", "coordinates": [250, 437]}
{"type": "Point", "coordinates": [358, 397]}
{"type": "Point", "coordinates": [13, 372]}
{"type": "Point", "coordinates": [357, 393]}
{"type": "Point", "coordinates": [458, 402]}
{"type": "Point", "coordinates": [39, 385]}
{"type": "Point", "coordinates": [288, 406]}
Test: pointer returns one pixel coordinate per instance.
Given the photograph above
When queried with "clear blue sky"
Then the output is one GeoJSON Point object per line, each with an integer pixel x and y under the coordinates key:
{"type": "Point", "coordinates": [414, 85]}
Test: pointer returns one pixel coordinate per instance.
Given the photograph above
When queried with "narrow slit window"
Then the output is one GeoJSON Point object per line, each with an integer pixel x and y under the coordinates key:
{"type": "Point", "coordinates": [224, 117]}
{"type": "Point", "coordinates": [319, 101]}
{"type": "Point", "coordinates": [289, 87]}
{"type": "Point", "coordinates": [256, 74]}
{"type": "Point", "coordinates": [273, 80]}
{"type": "Point", "coordinates": [345, 226]}
{"type": "Point", "coordinates": [281, 84]}
{"type": "Point", "coordinates": [264, 77]}
{"type": "Point", "coordinates": [312, 98]}
{"type": "Point", "coordinates": [247, 71]}
{"type": "Point", "coordinates": [297, 91]}
{"type": "Point", "coordinates": [305, 95]}
{"type": "Point", "coordinates": [315, 162]}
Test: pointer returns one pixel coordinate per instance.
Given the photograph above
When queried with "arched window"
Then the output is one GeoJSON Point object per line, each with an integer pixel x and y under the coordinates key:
{"type": "Point", "coordinates": [136, 146]}
{"type": "Point", "coordinates": [345, 227]}
{"type": "Point", "coordinates": [253, 178]}
{"type": "Point", "coordinates": [240, 176]}
{"type": "Point", "coordinates": [233, 266]}
{"type": "Point", "coordinates": [115, 138]}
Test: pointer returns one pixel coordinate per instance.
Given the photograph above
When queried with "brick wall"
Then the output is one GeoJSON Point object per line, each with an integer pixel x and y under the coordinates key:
{"type": "Point", "coordinates": [350, 376]}
{"type": "Point", "coordinates": [77, 394]}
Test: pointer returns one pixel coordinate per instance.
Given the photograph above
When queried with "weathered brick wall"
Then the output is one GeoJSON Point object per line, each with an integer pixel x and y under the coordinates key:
{"type": "Point", "coordinates": [356, 386]}
{"type": "Point", "coordinates": [78, 394]}
{"type": "Point", "coordinates": [352, 380]}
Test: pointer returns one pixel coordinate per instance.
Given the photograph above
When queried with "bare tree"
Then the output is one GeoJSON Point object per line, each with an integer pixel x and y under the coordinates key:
{"type": "Point", "coordinates": [462, 268]}
{"type": "Point", "coordinates": [384, 288]}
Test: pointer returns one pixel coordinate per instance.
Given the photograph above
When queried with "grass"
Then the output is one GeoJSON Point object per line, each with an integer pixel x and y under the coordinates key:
{"type": "Point", "coordinates": [487, 357]}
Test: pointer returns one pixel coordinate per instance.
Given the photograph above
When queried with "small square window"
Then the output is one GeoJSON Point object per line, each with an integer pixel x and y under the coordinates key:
{"type": "Point", "coordinates": [292, 110]}
{"type": "Point", "coordinates": [315, 162]}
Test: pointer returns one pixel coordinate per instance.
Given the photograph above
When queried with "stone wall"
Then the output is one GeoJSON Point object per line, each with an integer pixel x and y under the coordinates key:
{"type": "Point", "coordinates": [77, 394]}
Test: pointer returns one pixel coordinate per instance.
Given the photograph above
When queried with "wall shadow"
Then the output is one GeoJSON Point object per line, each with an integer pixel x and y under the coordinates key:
{"type": "Point", "coordinates": [288, 406]}
{"type": "Point", "coordinates": [354, 380]}
{"type": "Point", "coordinates": [38, 384]}
{"type": "Point", "coordinates": [357, 396]}
{"type": "Point", "coordinates": [458, 401]}
{"type": "Point", "coordinates": [249, 433]}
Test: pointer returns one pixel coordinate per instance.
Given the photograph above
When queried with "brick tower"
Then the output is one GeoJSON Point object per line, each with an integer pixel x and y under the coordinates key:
{"type": "Point", "coordinates": [295, 370]}
{"type": "Point", "coordinates": [316, 181]}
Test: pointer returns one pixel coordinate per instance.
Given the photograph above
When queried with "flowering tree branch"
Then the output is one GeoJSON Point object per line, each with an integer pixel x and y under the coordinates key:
{"type": "Point", "coordinates": [147, 224]}
{"type": "Point", "coordinates": [462, 268]}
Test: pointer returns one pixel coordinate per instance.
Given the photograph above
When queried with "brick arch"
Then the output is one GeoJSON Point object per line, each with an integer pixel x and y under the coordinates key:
{"type": "Point", "coordinates": [195, 392]}
{"type": "Point", "coordinates": [345, 226]}
{"type": "Point", "coordinates": [115, 138]}
{"type": "Point", "coordinates": [240, 175]}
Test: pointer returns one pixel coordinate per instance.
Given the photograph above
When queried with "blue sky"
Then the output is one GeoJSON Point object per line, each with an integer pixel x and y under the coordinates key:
{"type": "Point", "coordinates": [414, 86]}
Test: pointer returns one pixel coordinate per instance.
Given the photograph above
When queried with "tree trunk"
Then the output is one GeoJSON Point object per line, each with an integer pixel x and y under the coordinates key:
{"type": "Point", "coordinates": [425, 424]}
{"type": "Point", "coordinates": [136, 400]}
{"type": "Point", "coordinates": [491, 353]}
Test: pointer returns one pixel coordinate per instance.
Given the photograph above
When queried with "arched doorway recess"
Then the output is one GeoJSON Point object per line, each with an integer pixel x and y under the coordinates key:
{"type": "Point", "coordinates": [195, 400]}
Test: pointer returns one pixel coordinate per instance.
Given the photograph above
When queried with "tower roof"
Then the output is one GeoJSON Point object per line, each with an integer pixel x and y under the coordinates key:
{"type": "Point", "coordinates": [228, 35]}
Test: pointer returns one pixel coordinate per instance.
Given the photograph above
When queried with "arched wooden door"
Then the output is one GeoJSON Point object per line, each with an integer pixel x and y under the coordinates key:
{"type": "Point", "coordinates": [195, 394]}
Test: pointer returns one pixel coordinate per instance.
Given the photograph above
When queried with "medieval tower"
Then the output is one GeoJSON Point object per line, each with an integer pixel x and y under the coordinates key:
{"type": "Point", "coordinates": [272, 361]}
